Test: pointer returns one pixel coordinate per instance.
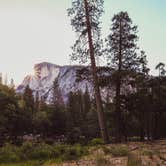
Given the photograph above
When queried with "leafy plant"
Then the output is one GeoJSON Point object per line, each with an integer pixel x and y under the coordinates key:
{"type": "Point", "coordinates": [101, 161]}
{"type": "Point", "coordinates": [119, 151]}
{"type": "Point", "coordinates": [96, 141]}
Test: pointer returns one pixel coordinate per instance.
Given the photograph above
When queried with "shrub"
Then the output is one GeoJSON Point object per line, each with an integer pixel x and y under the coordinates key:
{"type": "Point", "coordinates": [26, 149]}
{"type": "Point", "coordinates": [60, 148]}
{"type": "Point", "coordinates": [148, 153]}
{"type": "Point", "coordinates": [74, 152]}
{"type": "Point", "coordinates": [41, 151]}
{"type": "Point", "coordinates": [96, 141]}
{"type": "Point", "coordinates": [106, 150]}
{"type": "Point", "coordinates": [101, 161]}
{"type": "Point", "coordinates": [9, 153]}
{"type": "Point", "coordinates": [74, 135]}
{"type": "Point", "coordinates": [119, 151]}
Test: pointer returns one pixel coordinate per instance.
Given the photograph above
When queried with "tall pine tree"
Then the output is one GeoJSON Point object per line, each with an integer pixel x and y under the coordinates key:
{"type": "Point", "coordinates": [122, 55]}
{"type": "Point", "coordinates": [85, 19]}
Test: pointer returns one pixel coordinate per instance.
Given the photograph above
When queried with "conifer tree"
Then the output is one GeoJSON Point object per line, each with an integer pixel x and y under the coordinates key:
{"type": "Point", "coordinates": [29, 99]}
{"type": "Point", "coordinates": [143, 63]}
{"type": "Point", "coordinates": [86, 101]}
{"type": "Point", "coordinates": [85, 20]}
{"type": "Point", "coordinates": [57, 99]}
{"type": "Point", "coordinates": [122, 55]}
{"type": "Point", "coordinates": [160, 66]}
{"type": "Point", "coordinates": [37, 101]}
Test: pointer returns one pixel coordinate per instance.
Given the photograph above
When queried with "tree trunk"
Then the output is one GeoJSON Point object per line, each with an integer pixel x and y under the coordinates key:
{"type": "Point", "coordinates": [100, 113]}
{"type": "Point", "coordinates": [142, 125]}
{"type": "Point", "coordinates": [118, 87]}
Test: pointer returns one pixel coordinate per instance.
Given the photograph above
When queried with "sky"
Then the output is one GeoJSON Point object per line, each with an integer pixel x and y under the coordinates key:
{"type": "Point", "coordinates": [34, 31]}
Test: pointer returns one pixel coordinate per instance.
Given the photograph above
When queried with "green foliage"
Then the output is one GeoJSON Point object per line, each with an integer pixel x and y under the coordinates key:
{"type": "Point", "coordinates": [148, 153]}
{"type": "Point", "coordinates": [73, 152]}
{"type": "Point", "coordinates": [106, 150]}
{"type": "Point", "coordinates": [41, 151]}
{"type": "Point", "coordinates": [101, 161]}
{"type": "Point", "coordinates": [78, 21]}
{"type": "Point", "coordinates": [82, 118]}
{"type": "Point", "coordinates": [9, 153]}
{"type": "Point", "coordinates": [25, 163]}
{"type": "Point", "coordinates": [122, 43]}
{"type": "Point", "coordinates": [119, 150]}
{"type": "Point", "coordinates": [96, 141]}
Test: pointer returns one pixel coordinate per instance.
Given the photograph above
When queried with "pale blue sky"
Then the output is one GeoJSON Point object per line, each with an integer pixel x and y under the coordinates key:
{"type": "Point", "coordinates": [33, 31]}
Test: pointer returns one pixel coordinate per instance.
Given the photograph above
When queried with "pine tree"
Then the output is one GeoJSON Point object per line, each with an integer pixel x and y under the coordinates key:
{"type": "Point", "coordinates": [57, 99]}
{"type": "Point", "coordinates": [142, 94]}
{"type": "Point", "coordinates": [143, 63]}
{"type": "Point", "coordinates": [37, 101]}
{"type": "Point", "coordinates": [29, 105]}
{"type": "Point", "coordinates": [122, 55]}
{"type": "Point", "coordinates": [86, 101]}
{"type": "Point", "coordinates": [160, 66]}
{"type": "Point", "coordinates": [85, 19]}
{"type": "Point", "coordinates": [29, 99]}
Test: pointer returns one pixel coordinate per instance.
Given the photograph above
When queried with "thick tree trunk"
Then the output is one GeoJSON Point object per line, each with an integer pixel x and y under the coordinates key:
{"type": "Point", "coordinates": [118, 110]}
{"type": "Point", "coordinates": [118, 91]}
{"type": "Point", "coordinates": [100, 112]}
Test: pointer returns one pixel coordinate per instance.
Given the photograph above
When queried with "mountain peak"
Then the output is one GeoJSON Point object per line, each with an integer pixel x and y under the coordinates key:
{"type": "Point", "coordinates": [43, 64]}
{"type": "Point", "coordinates": [45, 69]}
{"type": "Point", "coordinates": [69, 78]}
{"type": "Point", "coordinates": [44, 75]}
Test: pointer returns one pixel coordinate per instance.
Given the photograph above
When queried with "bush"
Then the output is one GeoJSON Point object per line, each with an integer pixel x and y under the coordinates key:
{"type": "Point", "coordinates": [9, 153]}
{"type": "Point", "coordinates": [96, 141]}
{"type": "Point", "coordinates": [101, 161]}
{"type": "Point", "coordinates": [60, 148]}
{"type": "Point", "coordinates": [74, 135]}
{"type": "Point", "coordinates": [41, 151]}
{"type": "Point", "coordinates": [106, 150]}
{"type": "Point", "coordinates": [148, 153]}
{"type": "Point", "coordinates": [119, 151]}
{"type": "Point", "coordinates": [74, 152]}
{"type": "Point", "coordinates": [26, 149]}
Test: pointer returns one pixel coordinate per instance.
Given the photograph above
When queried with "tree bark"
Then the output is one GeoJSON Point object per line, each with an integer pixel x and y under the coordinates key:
{"type": "Point", "coordinates": [100, 113]}
{"type": "Point", "coordinates": [118, 91]}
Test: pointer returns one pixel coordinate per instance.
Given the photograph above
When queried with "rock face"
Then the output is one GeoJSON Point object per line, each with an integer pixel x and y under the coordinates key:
{"type": "Point", "coordinates": [70, 78]}
{"type": "Point", "coordinates": [42, 80]}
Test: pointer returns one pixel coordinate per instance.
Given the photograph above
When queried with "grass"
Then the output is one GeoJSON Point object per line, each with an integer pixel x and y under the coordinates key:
{"type": "Point", "coordinates": [41, 154]}
{"type": "Point", "coordinates": [96, 141]}
{"type": "Point", "coordinates": [119, 150]}
{"type": "Point", "coordinates": [148, 153]}
{"type": "Point", "coordinates": [31, 154]}
{"type": "Point", "coordinates": [134, 160]}
{"type": "Point", "coordinates": [106, 150]}
{"type": "Point", "coordinates": [27, 163]}
{"type": "Point", "coordinates": [101, 161]}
